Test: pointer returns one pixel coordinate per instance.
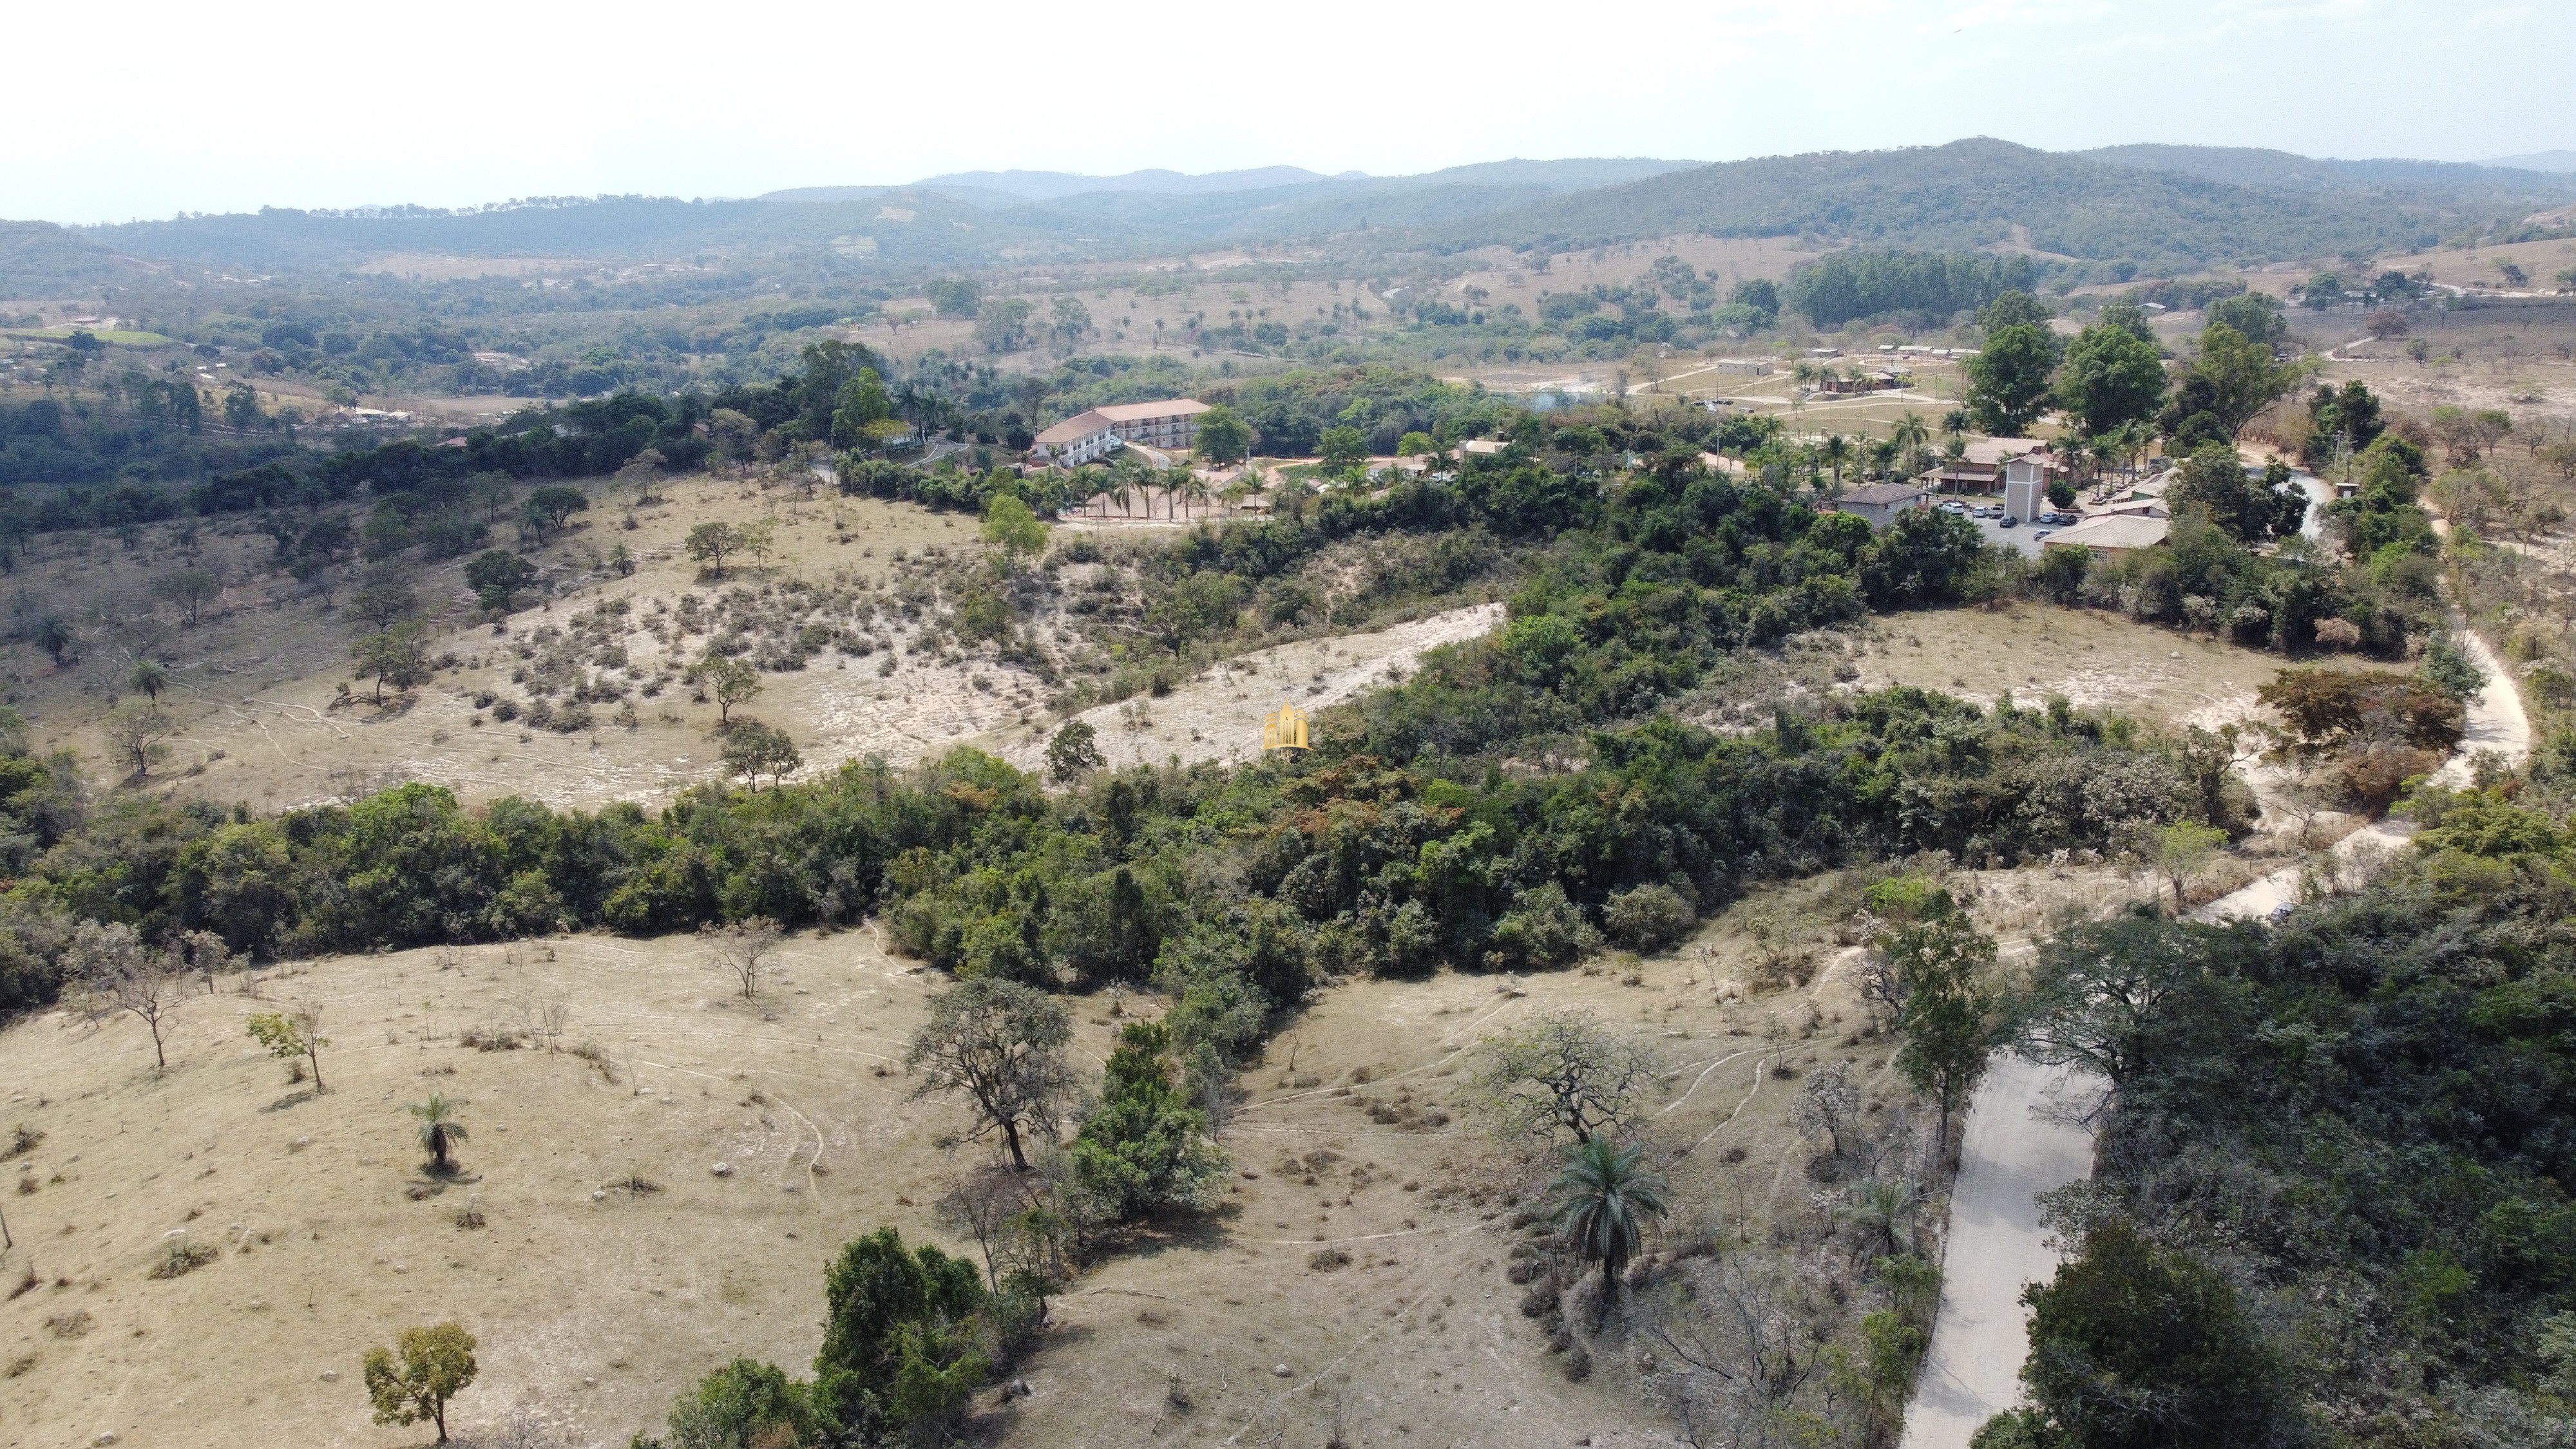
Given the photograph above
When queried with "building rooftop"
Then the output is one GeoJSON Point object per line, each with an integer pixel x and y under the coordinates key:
{"type": "Point", "coordinates": [1074, 429]}
{"type": "Point", "coordinates": [1139, 412]}
{"type": "Point", "coordinates": [1882, 493]}
{"type": "Point", "coordinates": [2113, 531]}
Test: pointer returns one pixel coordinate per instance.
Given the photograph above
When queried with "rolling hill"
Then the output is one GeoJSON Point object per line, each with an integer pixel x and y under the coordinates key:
{"type": "Point", "coordinates": [1979, 192]}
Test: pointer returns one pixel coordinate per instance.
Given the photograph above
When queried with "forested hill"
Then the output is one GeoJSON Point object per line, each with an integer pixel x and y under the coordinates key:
{"type": "Point", "coordinates": [2253, 166]}
{"type": "Point", "coordinates": [40, 259]}
{"type": "Point", "coordinates": [1971, 193]}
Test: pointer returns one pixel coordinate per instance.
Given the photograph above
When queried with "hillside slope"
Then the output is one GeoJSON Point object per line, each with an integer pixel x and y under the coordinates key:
{"type": "Point", "coordinates": [1971, 193]}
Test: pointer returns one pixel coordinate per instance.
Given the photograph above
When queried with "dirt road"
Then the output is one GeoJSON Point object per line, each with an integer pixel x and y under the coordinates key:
{"type": "Point", "coordinates": [2496, 723]}
{"type": "Point", "coordinates": [2010, 1155]}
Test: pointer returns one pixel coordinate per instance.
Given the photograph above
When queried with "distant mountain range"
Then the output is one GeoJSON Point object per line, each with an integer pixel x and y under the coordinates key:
{"type": "Point", "coordinates": [2537, 161]}
{"type": "Point", "coordinates": [2151, 209]}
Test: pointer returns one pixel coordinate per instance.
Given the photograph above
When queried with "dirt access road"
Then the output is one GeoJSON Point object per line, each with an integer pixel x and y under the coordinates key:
{"type": "Point", "coordinates": [2012, 1152]}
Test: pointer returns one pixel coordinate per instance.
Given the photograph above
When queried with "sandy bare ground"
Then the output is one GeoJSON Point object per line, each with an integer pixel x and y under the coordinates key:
{"type": "Point", "coordinates": [1217, 715]}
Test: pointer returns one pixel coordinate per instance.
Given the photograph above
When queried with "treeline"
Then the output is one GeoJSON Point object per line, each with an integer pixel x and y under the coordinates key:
{"type": "Point", "coordinates": [1843, 286]}
{"type": "Point", "coordinates": [1409, 837]}
{"type": "Point", "coordinates": [2331, 1202]}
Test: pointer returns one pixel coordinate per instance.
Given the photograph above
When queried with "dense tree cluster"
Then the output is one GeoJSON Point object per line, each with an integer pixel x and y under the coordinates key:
{"type": "Point", "coordinates": [2332, 1198]}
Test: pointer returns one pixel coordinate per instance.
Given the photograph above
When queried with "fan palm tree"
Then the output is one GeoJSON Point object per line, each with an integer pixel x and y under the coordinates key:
{"type": "Point", "coordinates": [439, 1129]}
{"type": "Point", "coordinates": [53, 635]}
{"type": "Point", "coordinates": [1603, 1198]}
{"type": "Point", "coordinates": [148, 677]}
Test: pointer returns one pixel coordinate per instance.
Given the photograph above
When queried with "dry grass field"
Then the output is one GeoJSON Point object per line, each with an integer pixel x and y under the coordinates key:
{"type": "Point", "coordinates": [613, 1263]}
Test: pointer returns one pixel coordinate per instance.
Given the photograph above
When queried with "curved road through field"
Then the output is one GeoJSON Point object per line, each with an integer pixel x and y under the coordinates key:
{"type": "Point", "coordinates": [2011, 1154]}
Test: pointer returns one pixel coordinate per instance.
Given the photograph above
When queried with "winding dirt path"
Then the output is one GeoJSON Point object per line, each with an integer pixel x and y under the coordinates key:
{"type": "Point", "coordinates": [2011, 1153]}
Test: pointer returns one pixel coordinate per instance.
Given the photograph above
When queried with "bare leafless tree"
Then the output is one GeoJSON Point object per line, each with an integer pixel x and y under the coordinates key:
{"type": "Point", "coordinates": [742, 948]}
{"type": "Point", "coordinates": [545, 1018]}
{"type": "Point", "coordinates": [1563, 1071]}
{"type": "Point", "coordinates": [120, 973]}
{"type": "Point", "coordinates": [1740, 1349]}
{"type": "Point", "coordinates": [987, 1202]}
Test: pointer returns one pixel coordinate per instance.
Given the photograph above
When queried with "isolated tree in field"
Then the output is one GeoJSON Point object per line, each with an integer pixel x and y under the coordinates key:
{"type": "Point", "coordinates": [496, 574]}
{"type": "Point", "coordinates": [2183, 850]}
{"type": "Point", "coordinates": [1223, 436]}
{"type": "Point", "coordinates": [742, 948]}
{"type": "Point", "coordinates": [201, 954]}
{"type": "Point", "coordinates": [1074, 752]}
{"type": "Point", "coordinates": [293, 1034]}
{"type": "Point", "coordinates": [384, 602]}
{"type": "Point", "coordinates": [1604, 1197]}
{"type": "Point", "coordinates": [398, 656]}
{"type": "Point", "coordinates": [1941, 966]}
{"type": "Point", "coordinates": [148, 677]}
{"type": "Point", "coordinates": [753, 749]}
{"type": "Point", "coordinates": [53, 634]}
{"type": "Point", "coordinates": [1563, 1071]}
{"type": "Point", "coordinates": [136, 727]}
{"type": "Point", "coordinates": [556, 503]}
{"type": "Point", "coordinates": [757, 538]}
{"type": "Point", "coordinates": [1012, 531]}
{"type": "Point", "coordinates": [119, 973]}
{"type": "Point", "coordinates": [1002, 1043]}
{"type": "Point", "coordinates": [189, 590]}
{"type": "Point", "coordinates": [708, 543]}
{"type": "Point", "coordinates": [728, 682]}
{"type": "Point", "coordinates": [439, 1130]}
{"type": "Point", "coordinates": [1830, 1105]}
{"type": "Point", "coordinates": [424, 1369]}
{"type": "Point", "coordinates": [635, 476]}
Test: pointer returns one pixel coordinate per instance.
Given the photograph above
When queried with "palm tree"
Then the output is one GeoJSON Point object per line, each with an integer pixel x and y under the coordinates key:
{"type": "Point", "coordinates": [439, 1129]}
{"type": "Point", "coordinates": [1194, 489]}
{"type": "Point", "coordinates": [54, 636]}
{"type": "Point", "coordinates": [148, 677]}
{"type": "Point", "coordinates": [1912, 437]}
{"type": "Point", "coordinates": [1836, 452]}
{"type": "Point", "coordinates": [1603, 1198]}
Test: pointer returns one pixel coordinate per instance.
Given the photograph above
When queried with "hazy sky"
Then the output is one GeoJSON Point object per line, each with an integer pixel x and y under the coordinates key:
{"type": "Point", "coordinates": [142, 110]}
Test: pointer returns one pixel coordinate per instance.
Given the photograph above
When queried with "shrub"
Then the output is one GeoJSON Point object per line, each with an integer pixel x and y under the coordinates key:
{"type": "Point", "coordinates": [1648, 918]}
{"type": "Point", "coordinates": [179, 1258]}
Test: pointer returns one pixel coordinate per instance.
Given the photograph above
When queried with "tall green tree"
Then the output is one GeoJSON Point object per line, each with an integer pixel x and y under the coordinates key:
{"type": "Point", "coordinates": [1002, 1044]}
{"type": "Point", "coordinates": [424, 1369]}
{"type": "Point", "coordinates": [1223, 436]}
{"type": "Point", "coordinates": [1941, 968]}
{"type": "Point", "coordinates": [2138, 1346]}
{"type": "Point", "coordinates": [2008, 379]}
{"type": "Point", "coordinates": [1145, 1149]}
{"type": "Point", "coordinates": [2230, 379]}
{"type": "Point", "coordinates": [2111, 377]}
